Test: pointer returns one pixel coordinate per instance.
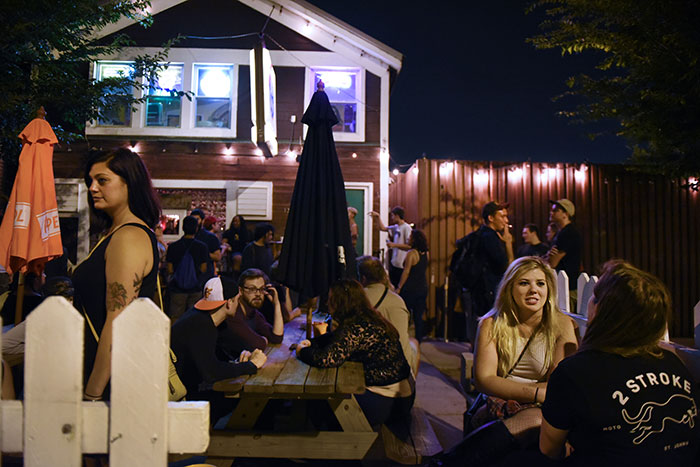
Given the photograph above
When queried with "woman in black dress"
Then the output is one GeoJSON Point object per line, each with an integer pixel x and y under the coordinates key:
{"type": "Point", "coordinates": [413, 285]}
{"type": "Point", "coordinates": [124, 263]}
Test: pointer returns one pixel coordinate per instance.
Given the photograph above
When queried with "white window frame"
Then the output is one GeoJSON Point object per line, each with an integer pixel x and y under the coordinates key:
{"type": "Point", "coordinates": [188, 58]}
{"type": "Point", "coordinates": [341, 136]}
{"type": "Point", "coordinates": [183, 102]}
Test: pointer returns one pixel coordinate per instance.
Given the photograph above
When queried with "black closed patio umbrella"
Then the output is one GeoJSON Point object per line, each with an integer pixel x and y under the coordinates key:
{"type": "Point", "coordinates": [317, 248]}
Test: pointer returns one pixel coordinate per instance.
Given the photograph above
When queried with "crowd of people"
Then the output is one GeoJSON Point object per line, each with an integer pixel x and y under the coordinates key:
{"type": "Point", "coordinates": [611, 396]}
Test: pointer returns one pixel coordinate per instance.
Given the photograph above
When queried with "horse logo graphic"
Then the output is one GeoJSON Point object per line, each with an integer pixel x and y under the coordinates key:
{"type": "Point", "coordinates": [653, 417]}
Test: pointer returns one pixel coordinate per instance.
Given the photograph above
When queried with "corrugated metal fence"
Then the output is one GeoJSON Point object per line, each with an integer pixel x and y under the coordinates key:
{"type": "Point", "coordinates": [653, 222]}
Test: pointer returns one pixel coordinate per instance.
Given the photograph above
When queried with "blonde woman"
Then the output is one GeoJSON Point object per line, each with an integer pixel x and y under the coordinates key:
{"type": "Point", "coordinates": [519, 343]}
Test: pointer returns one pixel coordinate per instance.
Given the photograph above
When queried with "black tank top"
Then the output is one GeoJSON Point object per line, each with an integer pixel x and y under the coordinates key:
{"type": "Point", "coordinates": [416, 283]}
{"type": "Point", "coordinates": [90, 285]}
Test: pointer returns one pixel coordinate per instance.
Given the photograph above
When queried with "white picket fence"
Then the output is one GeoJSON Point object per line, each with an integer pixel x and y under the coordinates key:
{"type": "Point", "coordinates": [138, 427]}
{"type": "Point", "coordinates": [584, 288]}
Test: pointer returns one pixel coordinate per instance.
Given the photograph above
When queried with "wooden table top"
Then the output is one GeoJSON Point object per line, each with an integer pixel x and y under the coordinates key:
{"type": "Point", "coordinates": [284, 374]}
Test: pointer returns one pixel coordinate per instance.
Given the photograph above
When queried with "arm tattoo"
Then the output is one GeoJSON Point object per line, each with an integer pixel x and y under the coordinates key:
{"type": "Point", "coordinates": [137, 282]}
{"type": "Point", "coordinates": [116, 296]}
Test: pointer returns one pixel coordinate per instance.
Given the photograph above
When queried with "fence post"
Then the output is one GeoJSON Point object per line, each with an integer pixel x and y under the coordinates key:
{"type": "Point", "coordinates": [585, 295]}
{"type": "Point", "coordinates": [563, 290]}
{"type": "Point", "coordinates": [53, 382]}
{"type": "Point", "coordinates": [580, 285]}
{"type": "Point", "coordinates": [139, 399]}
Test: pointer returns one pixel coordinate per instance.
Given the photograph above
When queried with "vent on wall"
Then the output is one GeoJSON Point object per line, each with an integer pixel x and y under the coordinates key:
{"type": "Point", "coordinates": [254, 200]}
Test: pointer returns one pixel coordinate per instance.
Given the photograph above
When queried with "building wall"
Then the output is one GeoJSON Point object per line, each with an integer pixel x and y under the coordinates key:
{"type": "Point", "coordinates": [650, 221]}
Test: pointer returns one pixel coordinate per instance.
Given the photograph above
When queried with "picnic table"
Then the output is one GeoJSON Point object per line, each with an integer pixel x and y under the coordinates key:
{"type": "Point", "coordinates": [285, 377]}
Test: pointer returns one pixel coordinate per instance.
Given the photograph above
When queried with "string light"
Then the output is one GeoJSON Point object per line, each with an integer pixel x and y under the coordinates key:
{"type": "Point", "coordinates": [515, 174]}
{"type": "Point", "coordinates": [415, 170]}
{"type": "Point", "coordinates": [481, 177]}
{"type": "Point", "coordinates": [395, 171]}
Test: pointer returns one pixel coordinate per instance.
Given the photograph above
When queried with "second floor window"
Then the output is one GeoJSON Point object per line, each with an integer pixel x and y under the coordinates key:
{"type": "Point", "coordinates": [163, 107]}
{"type": "Point", "coordinates": [117, 111]}
{"type": "Point", "coordinates": [213, 86]}
{"type": "Point", "coordinates": [341, 87]}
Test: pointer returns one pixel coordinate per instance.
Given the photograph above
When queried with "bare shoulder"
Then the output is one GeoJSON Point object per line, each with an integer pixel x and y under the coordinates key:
{"type": "Point", "coordinates": [565, 324]}
{"type": "Point", "coordinates": [130, 240]}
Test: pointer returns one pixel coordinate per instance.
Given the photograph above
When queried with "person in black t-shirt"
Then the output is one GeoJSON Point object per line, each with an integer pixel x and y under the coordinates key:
{"type": "Point", "coordinates": [257, 254]}
{"type": "Point", "coordinates": [195, 338]}
{"type": "Point", "coordinates": [565, 253]}
{"type": "Point", "coordinates": [180, 299]}
{"type": "Point", "coordinates": [211, 241]}
{"type": "Point", "coordinates": [622, 400]}
{"type": "Point", "coordinates": [533, 246]}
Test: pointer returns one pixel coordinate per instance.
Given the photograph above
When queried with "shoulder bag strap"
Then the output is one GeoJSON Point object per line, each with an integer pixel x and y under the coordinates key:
{"type": "Point", "coordinates": [386, 290]}
{"type": "Point", "coordinates": [523, 351]}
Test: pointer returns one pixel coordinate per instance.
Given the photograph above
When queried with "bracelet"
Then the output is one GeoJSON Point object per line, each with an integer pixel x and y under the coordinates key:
{"type": "Point", "coordinates": [537, 390]}
{"type": "Point", "coordinates": [90, 396]}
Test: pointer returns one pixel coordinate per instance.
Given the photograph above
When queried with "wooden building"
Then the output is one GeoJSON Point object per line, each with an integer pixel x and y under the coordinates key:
{"type": "Point", "coordinates": [202, 151]}
{"type": "Point", "coordinates": [653, 222]}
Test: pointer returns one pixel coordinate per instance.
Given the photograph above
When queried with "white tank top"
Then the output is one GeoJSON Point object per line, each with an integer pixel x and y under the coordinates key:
{"type": "Point", "coordinates": [531, 367]}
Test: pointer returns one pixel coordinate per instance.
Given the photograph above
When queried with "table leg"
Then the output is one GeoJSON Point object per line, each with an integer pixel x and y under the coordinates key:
{"type": "Point", "coordinates": [247, 412]}
{"type": "Point", "coordinates": [349, 414]}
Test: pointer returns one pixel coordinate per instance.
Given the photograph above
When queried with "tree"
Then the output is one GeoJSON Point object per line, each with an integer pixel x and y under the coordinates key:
{"type": "Point", "coordinates": [647, 77]}
{"type": "Point", "coordinates": [46, 48]}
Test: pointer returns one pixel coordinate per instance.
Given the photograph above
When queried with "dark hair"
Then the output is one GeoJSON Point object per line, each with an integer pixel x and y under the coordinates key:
{"type": "Point", "coordinates": [189, 225]}
{"type": "Point", "coordinates": [533, 228]}
{"type": "Point", "coordinates": [419, 241]}
{"type": "Point", "coordinates": [58, 285]}
{"type": "Point", "coordinates": [633, 308]}
{"type": "Point", "coordinates": [143, 200]}
{"type": "Point", "coordinates": [398, 210]}
{"type": "Point", "coordinates": [348, 301]}
{"type": "Point", "coordinates": [372, 270]}
{"type": "Point", "coordinates": [241, 219]}
{"type": "Point", "coordinates": [262, 229]}
{"type": "Point", "coordinates": [251, 274]}
{"type": "Point", "coordinates": [199, 213]}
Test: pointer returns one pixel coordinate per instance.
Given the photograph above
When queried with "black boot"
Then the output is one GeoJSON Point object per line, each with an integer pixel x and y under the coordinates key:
{"type": "Point", "coordinates": [484, 446]}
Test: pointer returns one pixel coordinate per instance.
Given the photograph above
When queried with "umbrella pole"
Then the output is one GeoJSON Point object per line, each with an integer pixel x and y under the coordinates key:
{"type": "Point", "coordinates": [20, 299]}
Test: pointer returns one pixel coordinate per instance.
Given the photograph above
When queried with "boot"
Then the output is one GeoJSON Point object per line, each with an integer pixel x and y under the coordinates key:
{"type": "Point", "coordinates": [484, 446]}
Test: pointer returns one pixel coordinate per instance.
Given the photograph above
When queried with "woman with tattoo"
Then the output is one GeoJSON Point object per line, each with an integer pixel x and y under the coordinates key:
{"type": "Point", "coordinates": [124, 264]}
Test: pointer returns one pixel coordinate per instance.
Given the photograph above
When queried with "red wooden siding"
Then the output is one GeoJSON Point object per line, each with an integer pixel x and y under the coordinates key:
{"type": "Point", "coordinates": [649, 221]}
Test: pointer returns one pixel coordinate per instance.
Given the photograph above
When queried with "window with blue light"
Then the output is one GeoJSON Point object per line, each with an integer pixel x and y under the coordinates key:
{"type": "Point", "coordinates": [163, 104]}
{"type": "Point", "coordinates": [117, 110]}
{"type": "Point", "coordinates": [213, 90]}
{"type": "Point", "coordinates": [341, 86]}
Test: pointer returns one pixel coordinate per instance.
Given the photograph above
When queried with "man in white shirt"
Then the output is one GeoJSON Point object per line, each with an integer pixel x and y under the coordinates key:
{"type": "Point", "coordinates": [399, 233]}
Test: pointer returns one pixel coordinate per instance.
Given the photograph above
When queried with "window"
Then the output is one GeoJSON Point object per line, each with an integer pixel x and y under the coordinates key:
{"type": "Point", "coordinates": [341, 88]}
{"type": "Point", "coordinates": [213, 85]}
{"type": "Point", "coordinates": [119, 111]}
{"type": "Point", "coordinates": [163, 107]}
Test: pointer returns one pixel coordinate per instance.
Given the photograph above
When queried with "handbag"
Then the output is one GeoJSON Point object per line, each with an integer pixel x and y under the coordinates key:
{"type": "Point", "coordinates": [176, 390]}
{"type": "Point", "coordinates": [482, 398]}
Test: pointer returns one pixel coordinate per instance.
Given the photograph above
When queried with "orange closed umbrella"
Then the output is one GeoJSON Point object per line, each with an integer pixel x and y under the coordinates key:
{"type": "Point", "coordinates": [30, 234]}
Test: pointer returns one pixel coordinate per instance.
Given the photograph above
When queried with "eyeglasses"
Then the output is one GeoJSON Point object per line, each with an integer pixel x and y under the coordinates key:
{"type": "Point", "coordinates": [254, 290]}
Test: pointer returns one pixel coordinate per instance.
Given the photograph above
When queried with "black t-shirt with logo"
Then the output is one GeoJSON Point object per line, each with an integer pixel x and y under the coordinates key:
{"type": "Point", "coordinates": [625, 411]}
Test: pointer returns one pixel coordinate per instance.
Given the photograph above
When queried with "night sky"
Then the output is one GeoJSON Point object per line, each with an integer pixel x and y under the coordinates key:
{"type": "Point", "coordinates": [471, 88]}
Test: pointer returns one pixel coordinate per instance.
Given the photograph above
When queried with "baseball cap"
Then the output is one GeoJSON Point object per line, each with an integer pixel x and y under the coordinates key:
{"type": "Point", "coordinates": [213, 295]}
{"type": "Point", "coordinates": [566, 205]}
{"type": "Point", "coordinates": [209, 221]}
{"type": "Point", "coordinates": [490, 208]}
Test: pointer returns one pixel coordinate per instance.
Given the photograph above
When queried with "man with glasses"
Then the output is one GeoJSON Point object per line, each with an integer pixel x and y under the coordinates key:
{"type": "Point", "coordinates": [247, 327]}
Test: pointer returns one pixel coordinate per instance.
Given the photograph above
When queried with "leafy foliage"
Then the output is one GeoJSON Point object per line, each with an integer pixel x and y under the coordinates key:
{"type": "Point", "coordinates": [46, 48]}
{"type": "Point", "coordinates": [647, 78]}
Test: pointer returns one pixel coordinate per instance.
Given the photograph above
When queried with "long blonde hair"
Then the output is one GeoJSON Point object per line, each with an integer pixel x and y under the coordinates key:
{"type": "Point", "coordinates": [505, 314]}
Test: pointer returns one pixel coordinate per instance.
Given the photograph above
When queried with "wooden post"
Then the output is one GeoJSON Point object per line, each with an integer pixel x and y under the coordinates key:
{"type": "Point", "coordinates": [139, 400]}
{"type": "Point", "coordinates": [580, 286]}
{"type": "Point", "coordinates": [585, 296]}
{"type": "Point", "coordinates": [53, 378]}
